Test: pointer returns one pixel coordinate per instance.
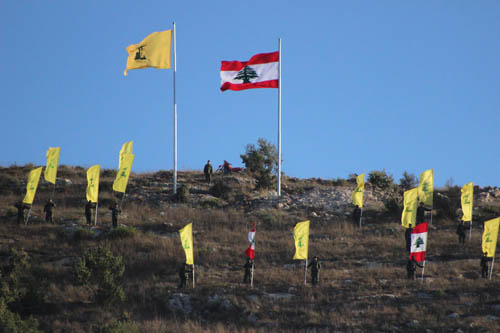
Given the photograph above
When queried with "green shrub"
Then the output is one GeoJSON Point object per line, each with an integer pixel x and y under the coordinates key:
{"type": "Point", "coordinates": [447, 202]}
{"type": "Point", "coordinates": [116, 326]}
{"type": "Point", "coordinates": [13, 323]}
{"type": "Point", "coordinates": [82, 234]}
{"type": "Point", "coordinates": [408, 181]}
{"type": "Point", "coordinates": [381, 179]}
{"type": "Point", "coordinates": [122, 232]}
{"type": "Point", "coordinates": [182, 194]}
{"type": "Point", "coordinates": [220, 189]}
{"type": "Point", "coordinates": [103, 272]}
{"type": "Point", "coordinates": [261, 161]}
{"type": "Point", "coordinates": [393, 205]}
{"type": "Point", "coordinates": [212, 203]}
{"type": "Point", "coordinates": [11, 212]}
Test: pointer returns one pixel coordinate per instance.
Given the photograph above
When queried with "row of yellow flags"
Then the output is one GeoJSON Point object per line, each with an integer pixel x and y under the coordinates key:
{"type": "Point", "coordinates": [119, 185]}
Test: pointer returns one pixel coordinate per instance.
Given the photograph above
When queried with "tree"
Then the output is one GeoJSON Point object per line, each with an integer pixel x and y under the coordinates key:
{"type": "Point", "coordinates": [380, 179]}
{"type": "Point", "coordinates": [261, 161]}
{"type": "Point", "coordinates": [246, 74]}
{"type": "Point", "coordinates": [408, 181]}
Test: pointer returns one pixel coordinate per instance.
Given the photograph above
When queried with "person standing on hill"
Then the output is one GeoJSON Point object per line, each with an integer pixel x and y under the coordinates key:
{"type": "Point", "coordinates": [115, 211]}
{"type": "Point", "coordinates": [411, 268]}
{"type": "Point", "coordinates": [356, 215]}
{"type": "Point", "coordinates": [408, 238]}
{"type": "Point", "coordinates": [484, 265]}
{"type": "Point", "coordinates": [461, 233]}
{"type": "Point", "coordinates": [48, 210]}
{"type": "Point", "coordinates": [315, 267]}
{"type": "Point", "coordinates": [20, 211]}
{"type": "Point", "coordinates": [184, 272]}
{"type": "Point", "coordinates": [88, 212]}
{"type": "Point", "coordinates": [248, 270]}
{"type": "Point", "coordinates": [208, 170]}
{"type": "Point", "coordinates": [421, 213]}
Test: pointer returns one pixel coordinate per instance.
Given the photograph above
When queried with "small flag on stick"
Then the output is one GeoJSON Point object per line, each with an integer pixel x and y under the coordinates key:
{"type": "Point", "coordinates": [301, 237]}
{"type": "Point", "coordinates": [33, 179]}
{"type": "Point", "coordinates": [93, 183]}
{"type": "Point", "coordinates": [153, 51]}
{"type": "Point", "coordinates": [419, 241]}
{"type": "Point", "coordinates": [467, 200]}
{"type": "Point", "coordinates": [357, 195]}
{"type": "Point", "coordinates": [250, 252]}
{"type": "Point", "coordinates": [186, 235]}
{"type": "Point", "coordinates": [426, 187]}
{"type": "Point", "coordinates": [52, 163]}
{"type": "Point", "coordinates": [409, 216]}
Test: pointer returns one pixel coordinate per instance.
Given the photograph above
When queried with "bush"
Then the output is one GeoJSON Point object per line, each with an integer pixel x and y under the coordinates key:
{"type": "Point", "coordinates": [261, 161]}
{"type": "Point", "coordinates": [381, 179]}
{"type": "Point", "coordinates": [448, 202]}
{"type": "Point", "coordinates": [13, 323]}
{"type": "Point", "coordinates": [11, 212]}
{"type": "Point", "coordinates": [393, 205]}
{"type": "Point", "coordinates": [182, 194]}
{"type": "Point", "coordinates": [103, 272]}
{"type": "Point", "coordinates": [220, 189]}
{"type": "Point", "coordinates": [122, 232]}
{"type": "Point", "coordinates": [408, 181]}
{"type": "Point", "coordinates": [115, 326]}
{"type": "Point", "coordinates": [82, 234]}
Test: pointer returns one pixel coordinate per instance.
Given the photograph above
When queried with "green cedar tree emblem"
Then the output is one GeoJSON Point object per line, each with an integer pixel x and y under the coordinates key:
{"type": "Point", "coordinates": [186, 244]}
{"type": "Point", "coordinates": [299, 244]}
{"type": "Point", "coordinates": [419, 242]}
{"type": "Point", "coordinates": [139, 55]}
{"type": "Point", "coordinates": [487, 238]}
{"type": "Point", "coordinates": [467, 199]}
{"type": "Point", "coordinates": [425, 187]}
{"type": "Point", "coordinates": [246, 74]}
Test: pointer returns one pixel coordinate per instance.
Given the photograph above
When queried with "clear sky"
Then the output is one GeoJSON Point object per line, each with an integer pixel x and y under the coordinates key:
{"type": "Point", "coordinates": [367, 85]}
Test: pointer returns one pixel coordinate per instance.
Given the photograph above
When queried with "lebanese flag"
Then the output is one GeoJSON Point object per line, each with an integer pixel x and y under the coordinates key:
{"type": "Point", "coordinates": [261, 71]}
{"type": "Point", "coordinates": [251, 238]}
{"type": "Point", "coordinates": [419, 241]}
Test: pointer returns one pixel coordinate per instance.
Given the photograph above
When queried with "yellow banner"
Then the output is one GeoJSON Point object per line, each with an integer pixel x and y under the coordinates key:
{"type": "Point", "coordinates": [93, 183]}
{"type": "Point", "coordinates": [490, 235]}
{"type": "Point", "coordinates": [409, 217]}
{"type": "Point", "coordinates": [467, 201]}
{"type": "Point", "coordinates": [121, 180]}
{"type": "Point", "coordinates": [357, 195]}
{"type": "Point", "coordinates": [186, 234]}
{"type": "Point", "coordinates": [32, 185]}
{"type": "Point", "coordinates": [52, 163]}
{"type": "Point", "coordinates": [426, 187]}
{"type": "Point", "coordinates": [126, 149]}
{"type": "Point", "coordinates": [301, 237]}
{"type": "Point", "coordinates": [153, 51]}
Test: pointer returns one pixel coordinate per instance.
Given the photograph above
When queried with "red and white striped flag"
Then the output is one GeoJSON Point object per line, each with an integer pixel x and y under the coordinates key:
{"type": "Point", "coordinates": [419, 241]}
{"type": "Point", "coordinates": [261, 71]}
{"type": "Point", "coordinates": [250, 252]}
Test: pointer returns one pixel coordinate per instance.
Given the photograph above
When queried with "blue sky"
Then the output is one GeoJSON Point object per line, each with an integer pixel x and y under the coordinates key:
{"type": "Point", "coordinates": [367, 85]}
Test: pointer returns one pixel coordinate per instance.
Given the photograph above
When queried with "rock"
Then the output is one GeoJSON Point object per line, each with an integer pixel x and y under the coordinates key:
{"type": "Point", "coordinates": [459, 331]}
{"type": "Point", "coordinates": [496, 307]}
{"type": "Point", "coordinates": [492, 318]}
{"type": "Point", "coordinates": [279, 296]}
{"type": "Point", "coordinates": [454, 315]}
{"type": "Point", "coordinates": [423, 295]}
{"type": "Point", "coordinates": [252, 318]}
{"type": "Point", "coordinates": [180, 303]}
{"type": "Point", "coordinates": [413, 323]}
{"type": "Point", "coordinates": [220, 303]}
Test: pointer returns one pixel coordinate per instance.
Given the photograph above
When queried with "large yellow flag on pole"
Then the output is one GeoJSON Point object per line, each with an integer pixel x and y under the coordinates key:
{"type": "Point", "coordinates": [357, 195]}
{"type": "Point", "coordinates": [490, 236]}
{"type": "Point", "coordinates": [32, 185]}
{"type": "Point", "coordinates": [426, 187]}
{"type": "Point", "coordinates": [301, 236]}
{"type": "Point", "coordinates": [467, 200]}
{"type": "Point", "coordinates": [93, 183]}
{"type": "Point", "coordinates": [186, 234]}
{"type": "Point", "coordinates": [121, 180]}
{"type": "Point", "coordinates": [153, 51]}
{"type": "Point", "coordinates": [126, 149]}
{"type": "Point", "coordinates": [409, 216]}
{"type": "Point", "coordinates": [52, 163]}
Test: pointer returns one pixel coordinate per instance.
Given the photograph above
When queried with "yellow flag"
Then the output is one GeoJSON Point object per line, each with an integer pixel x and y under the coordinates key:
{"type": "Point", "coordinates": [301, 236]}
{"type": "Point", "coordinates": [467, 200]}
{"type": "Point", "coordinates": [121, 180]}
{"type": "Point", "coordinates": [357, 195]}
{"type": "Point", "coordinates": [186, 234]}
{"type": "Point", "coordinates": [409, 217]}
{"type": "Point", "coordinates": [426, 187]}
{"type": "Point", "coordinates": [52, 163]}
{"type": "Point", "coordinates": [93, 183]}
{"type": "Point", "coordinates": [126, 149]}
{"type": "Point", "coordinates": [33, 179]}
{"type": "Point", "coordinates": [490, 236]}
{"type": "Point", "coordinates": [153, 51]}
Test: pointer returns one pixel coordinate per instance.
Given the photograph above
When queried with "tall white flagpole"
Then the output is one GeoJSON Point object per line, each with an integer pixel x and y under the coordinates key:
{"type": "Point", "coordinates": [175, 117]}
{"type": "Point", "coordinates": [279, 118]}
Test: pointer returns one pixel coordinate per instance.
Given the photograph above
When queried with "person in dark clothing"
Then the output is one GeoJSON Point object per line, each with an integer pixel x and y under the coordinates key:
{"type": "Point", "coordinates": [461, 232]}
{"type": "Point", "coordinates": [484, 265]}
{"type": "Point", "coordinates": [248, 270]}
{"type": "Point", "coordinates": [48, 210]}
{"type": "Point", "coordinates": [184, 272]}
{"type": "Point", "coordinates": [356, 215]}
{"type": "Point", "coordinates": [115, 211]}
{"type": "Point", "coordinates": [315, 267]}
{"type": "Point", "coordinates": [208, 170]}
{"type": "Point", "coordinates": [408, 239]}
{"type": "Point", "coordinates": [21, 206]}
{"type": "Point", "coordinates": [88, 212]}
{"type": "Point", "coordinates": [411, 268]}
{"type": "Point", "coordinates": [421, 213]}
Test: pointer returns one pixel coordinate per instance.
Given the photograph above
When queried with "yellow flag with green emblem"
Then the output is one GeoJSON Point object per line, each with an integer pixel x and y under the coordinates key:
{"type": "Point", "coordinates": [153, 51]}
{"type": "Point", "coordinates": [186, 234]}
{"type": "Point", "coordinates": [467, 199]}
{"type": "Point", "coordinates": [409, 217]}
{"type": "Point", "coordinates": [357, 195]}
{"type": "Point", "coordinates": [52, 163]}
{"type": "Point", "coordinates": [93, 183]}
{"type": "Point", "coordinates": [33, 179]}
{"type": "Point", "coordinates": [301, 236]}
{"type": "Point", "coordinates": [121, 180]}
{"type": "Point", "coordinates": [490, 235]}
{"type": "Point", "coordinates": [426, 187]}
{"type": "Point", "coordinates": [126, 149]}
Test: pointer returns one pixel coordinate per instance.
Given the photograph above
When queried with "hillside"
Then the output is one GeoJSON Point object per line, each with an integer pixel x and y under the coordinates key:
{"type": "Point", "coordinates": [363, 284]}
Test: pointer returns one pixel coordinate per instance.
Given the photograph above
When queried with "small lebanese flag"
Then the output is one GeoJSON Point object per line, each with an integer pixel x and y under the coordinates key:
{"type": "Point", "coordinates": [261, 71]}
{"type": "Point", "coordinates": [419, 241]}
{"type": "Point", "coordinates": [250, 252]}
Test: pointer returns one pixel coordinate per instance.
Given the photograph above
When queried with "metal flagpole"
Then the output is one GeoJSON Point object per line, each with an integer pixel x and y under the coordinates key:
{"type": "Point", "coordinates": [53, 190]}
{"type": "Point", "coordinates": [470, 229]}
{"type": "Point", "coordinates": [96, 207]}
{"type": "Point", "coordinates": [193, 275]}
{"type": "Point", "coordinates": [423, 269]}
{"type": "Point", "coordinates": [251, 277]}
{"type": "Point", "coordinates": [360, 217]}
{"type": "Point", "coordinates": [175, 118]}
{"type": "Point", "coordinates": [305, 273]}
{"type": "Point", "coordinates": [29, 213]}
{"type": "Point", "coordinates": [492, 263]}
{"type": "Point", "coordinates": [279, 118]}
